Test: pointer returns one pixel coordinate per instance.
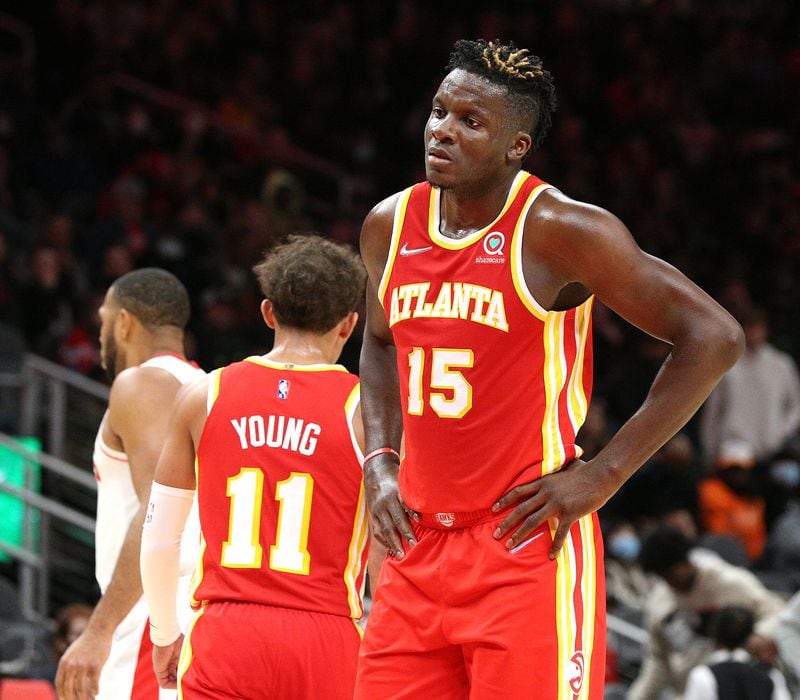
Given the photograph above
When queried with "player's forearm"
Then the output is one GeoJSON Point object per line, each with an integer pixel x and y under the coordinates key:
{"type": "Point", "coordinates": [160, 558]}
{"type": "Point", "coordinates": [125, 587]}
{"type": "Point", "coordinates": [380, 394]}
{"type": "Point", "coordinates": [684, 382]}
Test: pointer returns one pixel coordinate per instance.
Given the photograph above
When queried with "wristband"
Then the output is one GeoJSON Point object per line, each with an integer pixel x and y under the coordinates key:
{"type": "Point", "coordinates": [382, 451]}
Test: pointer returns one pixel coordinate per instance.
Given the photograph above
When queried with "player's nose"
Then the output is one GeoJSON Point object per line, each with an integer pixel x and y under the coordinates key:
{"type": "Point", "coordinates": [442, 129]}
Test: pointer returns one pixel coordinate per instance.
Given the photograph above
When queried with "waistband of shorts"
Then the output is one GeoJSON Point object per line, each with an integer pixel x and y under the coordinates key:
{"type": "Point", "coordinates": [453, 521]}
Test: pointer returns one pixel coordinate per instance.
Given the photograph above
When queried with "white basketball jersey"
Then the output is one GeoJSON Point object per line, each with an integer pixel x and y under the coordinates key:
{"type": "Point", "coordinates": [117, 502]}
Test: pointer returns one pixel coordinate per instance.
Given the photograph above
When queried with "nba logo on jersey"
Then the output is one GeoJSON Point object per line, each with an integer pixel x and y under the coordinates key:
{"type": "Point", "coordinates": [283, 388]}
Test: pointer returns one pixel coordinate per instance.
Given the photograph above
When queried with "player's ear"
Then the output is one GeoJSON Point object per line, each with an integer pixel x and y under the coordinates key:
{"type": "Point", "coordinates": [123, 323]}
{"type": "Point", "coordinates": [519, 146]}
{"type": "Point", "coordinates": [347, 325]}
{"type": "Point", "coordinates": [268, 313]}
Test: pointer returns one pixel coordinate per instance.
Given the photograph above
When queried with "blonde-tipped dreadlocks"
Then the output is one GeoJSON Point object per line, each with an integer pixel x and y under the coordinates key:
{"type": "Point", "coordinates": [530, 87]}
{"type": "Point", "coordinates": [517, 63]}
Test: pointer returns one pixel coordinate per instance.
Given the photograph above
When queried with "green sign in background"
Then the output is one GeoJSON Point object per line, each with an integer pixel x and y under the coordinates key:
{"type": "Point", "coordinates": [12, 509]}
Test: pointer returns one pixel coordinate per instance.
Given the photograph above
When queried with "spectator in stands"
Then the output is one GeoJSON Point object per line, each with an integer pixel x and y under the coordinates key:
{"type": "Point", "coordinates": [729, 502]}
{"type": "Point", "coordinates": [694, 584]}
{"type": "Point", "coordinates": [780, 562]}
{"type": "Point", "coordinates": [127, 224]}
{"type": "Point", "coordinates": [627, 586]}
{"type": "Point", "coordinates": [729, 671]}
{"type": "Point", "coordinates": [787, 638]}
{"type": "Point", "coordinates": [667, 482]}
{"type": "Point", "coordinates": [45, 302]}
{"type": "Point", "coordinates": [70, 621]}
{"type": "Point", "coordinates": [758, 400]}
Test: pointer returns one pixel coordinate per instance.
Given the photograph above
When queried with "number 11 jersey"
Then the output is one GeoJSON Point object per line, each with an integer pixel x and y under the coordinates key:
{"type": "Point", "coordinates": [279, 488]}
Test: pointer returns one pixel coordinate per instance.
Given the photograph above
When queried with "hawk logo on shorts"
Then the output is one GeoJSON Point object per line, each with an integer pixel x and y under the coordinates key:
{"type": "Point", "coordinates": [283, 388]}
{"type": "Point", "coordinates": [578, 664]}
{"type": "Point", "coordinates": [446, 519]}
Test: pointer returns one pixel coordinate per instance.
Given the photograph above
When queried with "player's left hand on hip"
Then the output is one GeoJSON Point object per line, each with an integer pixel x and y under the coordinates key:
{"type": "Point", "coordinates": [563, 497]}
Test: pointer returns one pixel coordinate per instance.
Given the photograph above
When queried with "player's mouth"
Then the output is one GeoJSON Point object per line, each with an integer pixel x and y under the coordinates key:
{"type": "Point", "coordinates": [438, 156]}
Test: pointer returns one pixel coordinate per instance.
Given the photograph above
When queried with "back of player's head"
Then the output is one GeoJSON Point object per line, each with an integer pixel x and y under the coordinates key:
{"type": "Point", "coordinates": [156, 297]}
{"type": "Point", "coordinates": [663, 548]}
{"type": "Point", "coordinates": [732, 626]}
{"type": "Point", "coordinates": [529, 86]}
{"type": "Point", "coordinates": [312, 282]}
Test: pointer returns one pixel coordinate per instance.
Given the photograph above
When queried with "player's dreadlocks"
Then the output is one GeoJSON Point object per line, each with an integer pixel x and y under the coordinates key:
{"type": "Point", "coordinates": [530, 87]}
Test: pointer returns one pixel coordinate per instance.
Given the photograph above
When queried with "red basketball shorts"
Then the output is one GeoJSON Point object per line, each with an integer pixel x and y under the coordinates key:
{"type": "Point", "coordinates": [247, 650]}
{"type": "Point", "coordinates": [462, 617]}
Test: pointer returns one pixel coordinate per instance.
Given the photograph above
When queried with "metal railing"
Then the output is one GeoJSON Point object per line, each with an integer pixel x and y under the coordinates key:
{"type": "Point", "coordinates": [55, 405]}
{"type": "Point", "coordinates": [38, 374]}
{"type": "Point", "coordinates": [35, 557]}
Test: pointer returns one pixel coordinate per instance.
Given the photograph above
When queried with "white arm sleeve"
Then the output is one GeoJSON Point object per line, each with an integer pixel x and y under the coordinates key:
{"type": "Point", "coordinates": [160, 558]}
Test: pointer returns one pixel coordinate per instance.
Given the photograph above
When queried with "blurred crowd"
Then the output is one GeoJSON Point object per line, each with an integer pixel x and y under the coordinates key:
{"type": "Point", "coordinates": [193, 135]}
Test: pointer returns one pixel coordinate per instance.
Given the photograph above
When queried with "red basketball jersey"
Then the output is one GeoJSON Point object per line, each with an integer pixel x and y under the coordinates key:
{"type": "Point", "coordinates": [279, 489]}
{"type": "Point", "coordinates": [493, 386]}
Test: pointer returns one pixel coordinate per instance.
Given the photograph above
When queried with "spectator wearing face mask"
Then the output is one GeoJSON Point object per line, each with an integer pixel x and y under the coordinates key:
{"type": "Point", "coordinates": [729, 501]}
{"type": "Point", "coordinates": [626, 584]}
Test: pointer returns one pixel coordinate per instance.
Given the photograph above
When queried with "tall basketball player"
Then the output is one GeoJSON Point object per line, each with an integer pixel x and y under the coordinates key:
{"type": "Point", "coordinates": [478, 348]}
{"type": "Point", "coordinates": [143, 318]}
{"type": "Point", "coordinates": [276, 439]}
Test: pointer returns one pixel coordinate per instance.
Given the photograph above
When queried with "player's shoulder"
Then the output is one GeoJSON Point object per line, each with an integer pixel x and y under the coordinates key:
{"type": "Point", "coordinates": [384, 210]}
{"type": "Point", "coordinates": [553, 205]}
{"type": "Point", "coordinates": [557, 219]}
{"type": "Point", "coordinates": [141, 381]}
{"type": "Point", "coordinates": [194, 394]}
{"type": "Point", "coordinates": [376, 231]}
{"type": "Point", "coordinates": [141, 377]}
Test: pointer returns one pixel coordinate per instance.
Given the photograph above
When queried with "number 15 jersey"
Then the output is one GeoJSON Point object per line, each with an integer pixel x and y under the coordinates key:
{"type": "Point", "coordinates": [493, 387]}
{"type": "Point", "coordinates": [279, 488]}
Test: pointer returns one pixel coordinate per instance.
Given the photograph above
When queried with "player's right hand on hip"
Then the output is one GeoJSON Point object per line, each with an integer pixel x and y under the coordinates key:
{"type": "Point", "coordinates": [388, 519]}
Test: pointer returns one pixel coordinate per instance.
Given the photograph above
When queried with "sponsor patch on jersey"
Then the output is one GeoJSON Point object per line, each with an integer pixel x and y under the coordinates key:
{"type": "Point", "coordinates": [494, 244]}
{"type": "Point", "coordinates": [283, 389]}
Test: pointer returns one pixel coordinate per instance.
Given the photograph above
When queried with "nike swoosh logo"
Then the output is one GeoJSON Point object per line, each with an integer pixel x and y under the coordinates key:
{"type": "Point", "coordinates": [525, 543]}
{"type": "Point", "coordinates": [405, 250]}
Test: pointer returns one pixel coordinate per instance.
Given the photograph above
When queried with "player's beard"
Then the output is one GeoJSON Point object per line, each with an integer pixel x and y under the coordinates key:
{"type": "Point", "coordinates": [110, 357]}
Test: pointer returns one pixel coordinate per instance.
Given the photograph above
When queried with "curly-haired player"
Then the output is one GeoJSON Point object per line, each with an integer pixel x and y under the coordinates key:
{"type": "Point", "coordinates": [477, 350]}
{"type": "Point", "coordinates": [276, 439]}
